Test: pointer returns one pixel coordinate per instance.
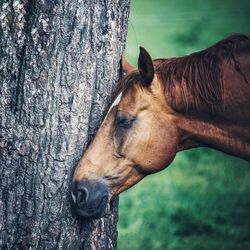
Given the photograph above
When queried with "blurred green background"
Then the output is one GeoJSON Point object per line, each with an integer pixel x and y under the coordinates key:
{"type": "Point", "coordinates": [202, 201]}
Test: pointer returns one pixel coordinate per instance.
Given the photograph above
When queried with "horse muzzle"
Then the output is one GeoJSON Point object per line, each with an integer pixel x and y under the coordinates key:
{"type": "Point", "coordinates": [90, 198]}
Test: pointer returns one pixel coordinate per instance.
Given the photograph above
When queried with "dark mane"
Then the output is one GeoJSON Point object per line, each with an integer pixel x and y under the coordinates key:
{"type": "Point", "coordinates": [201, 71]}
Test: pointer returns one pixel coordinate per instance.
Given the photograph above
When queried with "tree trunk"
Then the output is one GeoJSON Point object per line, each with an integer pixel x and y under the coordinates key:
{"type": "Point", "coordinates": [59, 62]}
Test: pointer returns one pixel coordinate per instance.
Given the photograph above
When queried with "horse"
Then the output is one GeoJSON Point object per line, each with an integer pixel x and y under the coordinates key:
{"type": "Point", "coordinates": [162, 107]}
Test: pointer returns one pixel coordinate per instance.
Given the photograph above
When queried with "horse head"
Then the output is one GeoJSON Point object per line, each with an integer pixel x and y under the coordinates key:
{"type": "Point", "coordinates": [137, 137]}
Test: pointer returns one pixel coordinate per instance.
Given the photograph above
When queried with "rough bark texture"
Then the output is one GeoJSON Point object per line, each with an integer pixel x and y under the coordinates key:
{"type": "Point", "coordinates": [59, 62]}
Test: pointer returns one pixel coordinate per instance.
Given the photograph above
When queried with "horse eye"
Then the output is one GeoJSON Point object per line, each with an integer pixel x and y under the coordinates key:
{"type": "Point", "coordinates": [123, 121]}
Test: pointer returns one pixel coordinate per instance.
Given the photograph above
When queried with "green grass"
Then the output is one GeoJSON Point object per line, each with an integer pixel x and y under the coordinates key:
{"type": "Point", "coordinates": [202, 201]}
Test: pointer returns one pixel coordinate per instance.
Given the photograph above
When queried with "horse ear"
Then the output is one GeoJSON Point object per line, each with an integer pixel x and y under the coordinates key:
{"type": "Point", "coordinates": [145, 66]}
{"type": "Point", "coordinates": [126, 67]}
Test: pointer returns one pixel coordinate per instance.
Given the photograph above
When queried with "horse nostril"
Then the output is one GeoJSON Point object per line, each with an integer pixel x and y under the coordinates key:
{"type": "Point", "coordinates": [90, 198]}
{"type": "Point", "coordinates": [82, 196]}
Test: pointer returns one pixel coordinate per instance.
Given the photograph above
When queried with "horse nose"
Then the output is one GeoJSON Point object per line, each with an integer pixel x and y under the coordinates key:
{"type": "Point", "coordinates": [90, 198]}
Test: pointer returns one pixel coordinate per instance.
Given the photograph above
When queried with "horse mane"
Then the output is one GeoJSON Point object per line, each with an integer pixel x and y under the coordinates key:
{"type": "Point", "coordinates": [201, 72]}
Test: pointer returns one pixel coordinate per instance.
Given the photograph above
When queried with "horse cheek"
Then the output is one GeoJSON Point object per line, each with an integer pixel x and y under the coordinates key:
{"type": "Point", "coordinates": [166, 147]}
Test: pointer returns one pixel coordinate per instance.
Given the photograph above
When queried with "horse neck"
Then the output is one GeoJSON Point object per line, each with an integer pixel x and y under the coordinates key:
{"type": "Point", "coordinates": [211, 115]}
{"type": "Point", "coordinates": [230, 138]}
{"type": "Point", "coordinates": [205, 127]}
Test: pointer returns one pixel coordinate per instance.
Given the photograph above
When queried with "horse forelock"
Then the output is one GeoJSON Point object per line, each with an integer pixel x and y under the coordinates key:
{"type": "Point", "coordinates": [127, 82]}
{"type": "Point", "coordinates": [201, 72]}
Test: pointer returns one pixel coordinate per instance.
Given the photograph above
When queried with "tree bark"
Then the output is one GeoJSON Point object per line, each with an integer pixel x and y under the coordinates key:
{"type": "Point", "coordinates": [59, 62]}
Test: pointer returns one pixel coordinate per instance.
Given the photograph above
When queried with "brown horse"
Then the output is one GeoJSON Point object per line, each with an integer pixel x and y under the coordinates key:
{"type": "Point", "coordinates": [163, 107]}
